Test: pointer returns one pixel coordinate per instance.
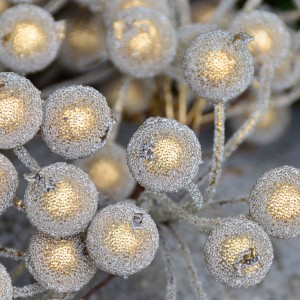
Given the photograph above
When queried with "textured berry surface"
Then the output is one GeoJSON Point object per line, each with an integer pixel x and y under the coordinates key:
{"type": "Point", "coordinates": [20, 110]}
{"type": "Point", "coordinates": [275, 202]}
{"type": "Point", "coordinates": [77, 122]}
{"type": "Point", "coordinates": [218, 65]}
{"type": "Point", "coordinates": [238, 253]}
{"type": "Point", "coordinates": [163, 155]}
{"type": "Point", "coordinates": [61, 200]}
{"type": "Point", "coordinates": [122, 239]}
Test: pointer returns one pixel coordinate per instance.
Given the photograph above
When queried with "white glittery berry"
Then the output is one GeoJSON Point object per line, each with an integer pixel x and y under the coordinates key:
{"type": "Point", "coordinates": [271, 39]}
{"type": "Point", "coordinates": [77, 122]}
{"type": "Point", "coordinates": [61, 200]}
{"type": "Point", "coordinates": [141, 42]}
{"type": "Point", "coordinates": [59, 264]}
{"type": "Point", "coordinates": [109, 171]}
{"type": "Point", "coordinates": [20, 110]}
{"type": "Point", "coordinates": [218, 65]}
{"type": "Point", "coordinates": [84, 43]}
{"type": "Point", "coordinates": [114, 7]}
{"type": "Point", "coordinates": [29, 38]}
{"type": "Point", "coordinates": [275, 202]}
{"type": "Point", "coordinates": [164, 155]}
{"type": "Point", "coordinates": [122, 239]}
{"type": "Point", "coordinates": [185, 36]}
{"type": "Point", "coordinates": [238, 253]}
{"type": "Point", "coordinates": [8, 183]}
{"type": "Point", "coordinates": [6, 289]}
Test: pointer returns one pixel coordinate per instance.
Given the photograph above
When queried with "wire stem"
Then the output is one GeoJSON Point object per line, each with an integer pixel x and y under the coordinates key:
{"type": "Point", "coordinates": [196, 196]}
{"type": "Point", "coordinates": [26, 159]}
{"type": "Point", "coordinates": [182, 105]}
{"type": "Point", "coordinates": [91, 77]}
{"type": "Point", "coordinates": [192, 271]}
{"type": "Point", "coordinates": [218, 150]}
{"type": "Point", "coordinates": [168, 98]}
{"type": "Point", "coordinates": [263, 99]}
{"type": "Point", "coordinates": [119, 106]}
{"type": "Point", "coordinates": [98, 287]}
{"type": "Point", "coordinates": [221, 10]}
{"type": "Point", "coordinates": [12, 253]}
{"type": "Point", "coordinates": [203, 225]}
{"type": "Point", "coordinates": [252, 4]}
{"type": "Point", "coordinates": [28, 291]}
{"type": "Point", "coordinates": [171, 289]}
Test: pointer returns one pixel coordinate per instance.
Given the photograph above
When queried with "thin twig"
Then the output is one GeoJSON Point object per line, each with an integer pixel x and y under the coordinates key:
{"type": "Point", "coordinates": [54, 6]}
{"type": "Point", "coordinates": [203, 225]}
{"type": "Point", "coordinates": [91, 77]}
{"type": "Point", "coordinates": [222, 10]}
{"type": "Point", "coordinates": [196, 196]}
{"type": "Point", "coordinates": [119, 106]}
{"type": "Point", "coordinates": [183, 12]}
{"type": "Point", "coordinates": [26, 159]}
{"type": "Point", "coordinates": [252, 4]}
{"type": "Point", "coordinates": [200, 104]}
{"type": "Point", "coordinates": [17, 271]}
{"type": "Point", "coordinates": [94, 290]}
{"type": "Point", "coordinates": [264, 93]}
{"type": "Point", "coordinates": [218, 150]}
{"type": "Point", "coordinates": [28, 291]}
{"type": "Point", "coordinates": [242, 199]}
{"type": "Point", "coordinates": [287, 99]}
{"type": "Point", "coordinates": [182, 103]}
{"type": "Point", "coordinates": [171, 289]}
{"type": "Point", "coordinates": [192, 271]}
{"type": "Point", "coordinates": [12, 253]}
{"type": "Point", "coordinates": [168, 98]}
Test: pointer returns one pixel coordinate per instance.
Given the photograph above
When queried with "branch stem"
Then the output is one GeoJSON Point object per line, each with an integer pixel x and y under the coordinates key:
{"type": "Point", "coordinates": [12, 253]}
{"type": "Point", "coordinates": [203, 225]}
{"type": "Point", "coordinates": [263, 99]}
{"type": "Point", "coordinates": [26, 159]}
{"type": "Point", "coordinates": [98, 287]}
{"type": "Point", "coordinates": [119, 106]}
{"type": "Point", "coordinates": [192, 271]}
{"type": "Point", "coordinates": [28, 291]}
{"type": "Point", "coordinates": [218, 150]}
